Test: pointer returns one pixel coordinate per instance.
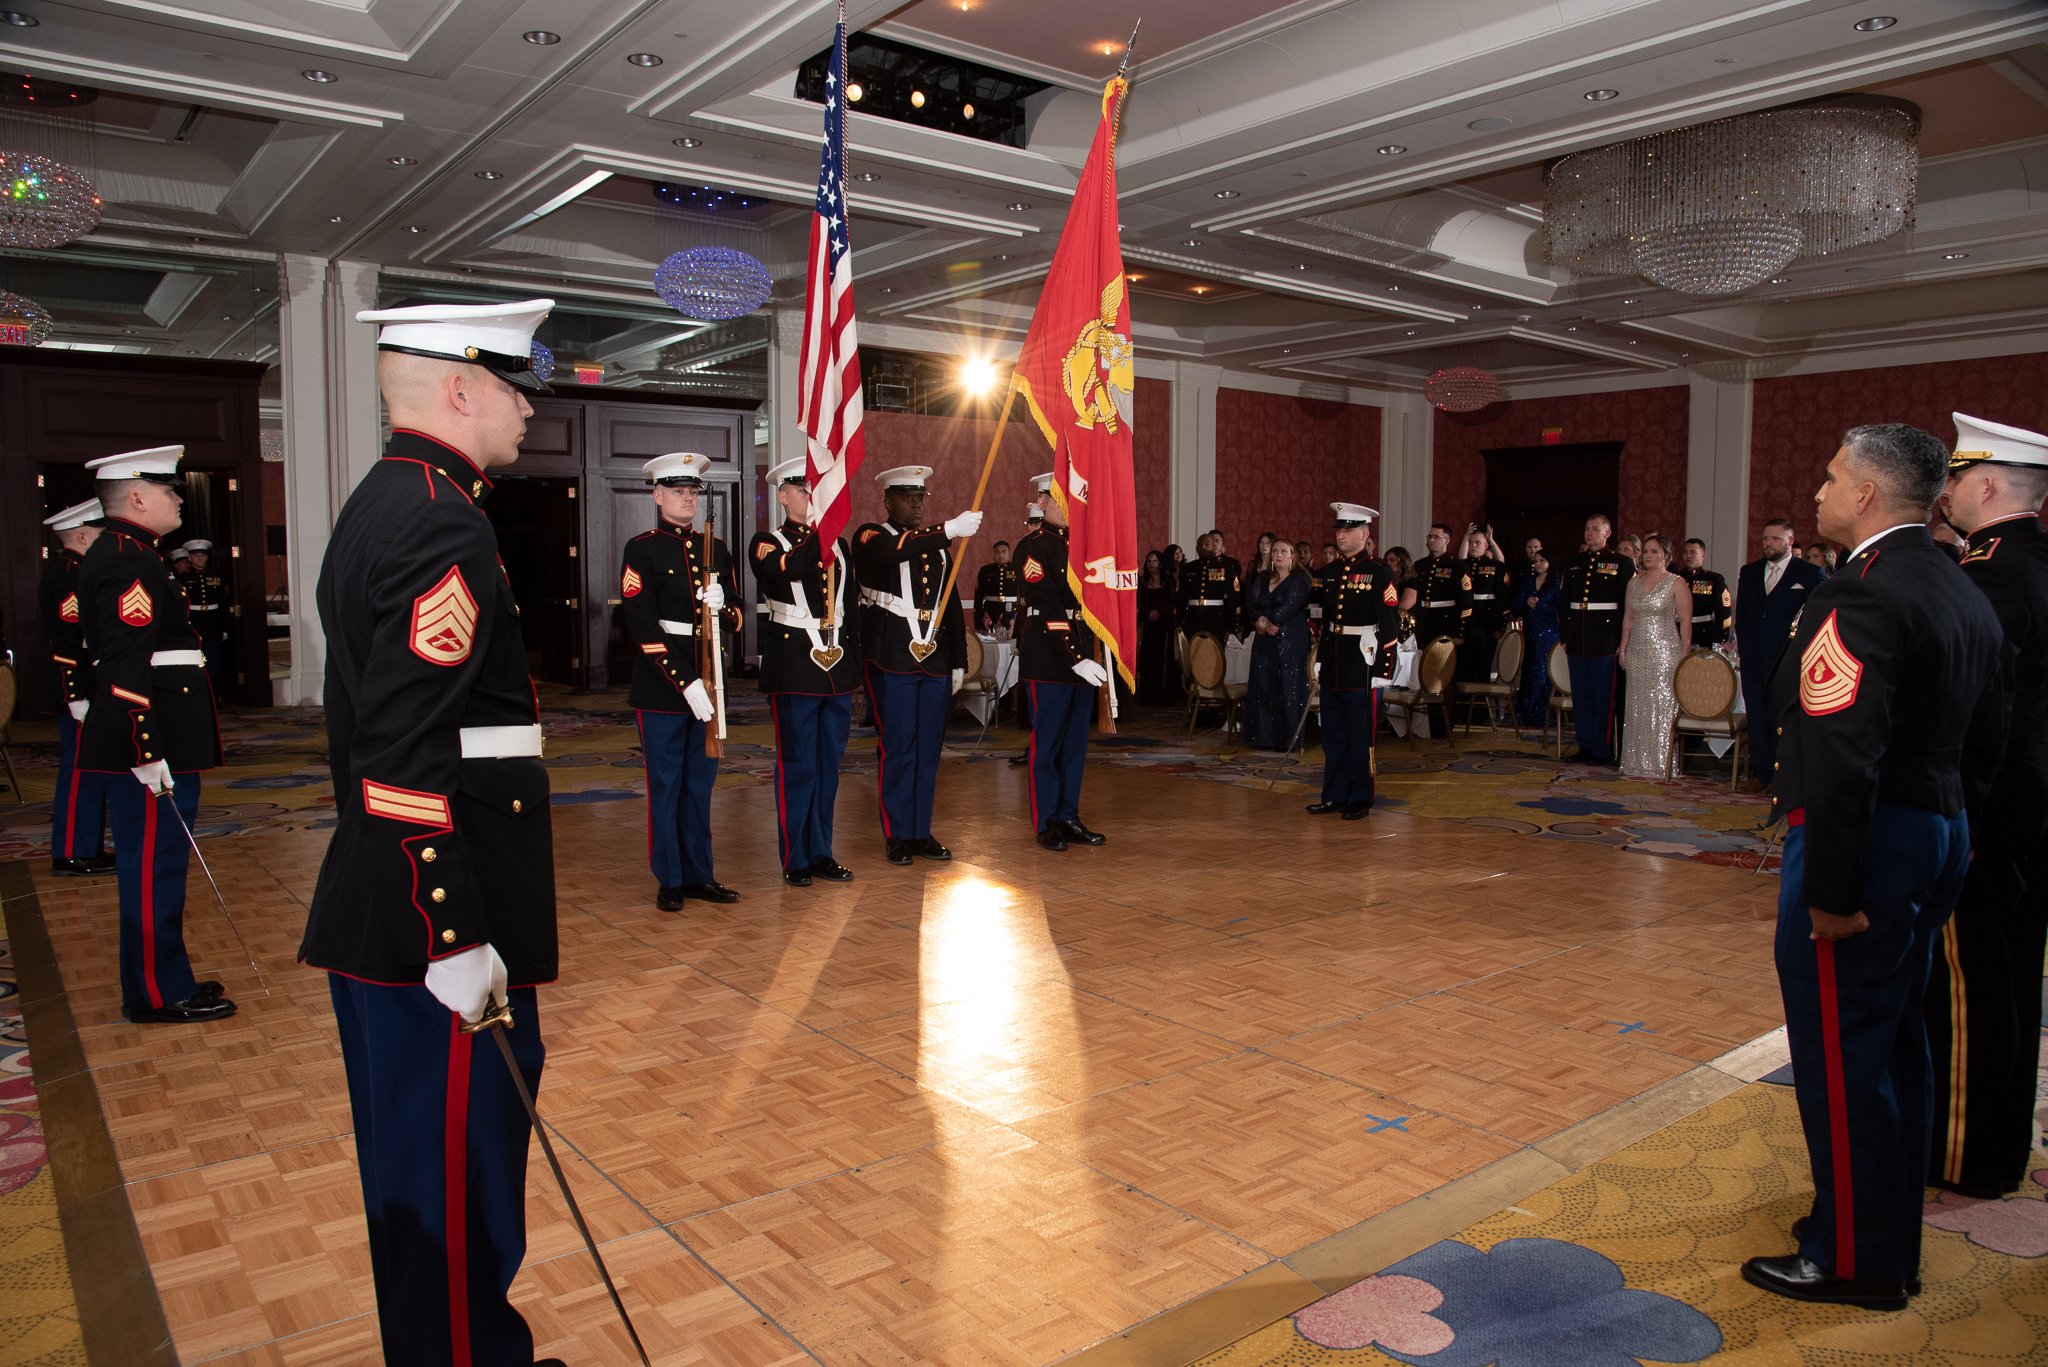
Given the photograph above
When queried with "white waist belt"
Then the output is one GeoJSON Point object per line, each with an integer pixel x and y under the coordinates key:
{"type": "Point", "coordinates": [501, 742]}
{"type": "Point", "coordinates": [1208, 602]}
{"type": "Point", "coordinates": [1483, 597]}
{"type": "Point", "coordinates": [1004, 597]}
{"type": "Point", "coordinates": [1703, 617]}
{"type": "Point", "coordinates": [1373, 632]}
{"type": "Point", "coordinates": [1442, 603]}
{"type": "Point", "coordinates": [677, 628]}
{"type": "Point", "coordinates": [165, 659]}
{"type": "Point", "coordinates": [786, 615]}
{"type": "Point", "coordinates": [201, 607]}
{"type": "Point", "coordinates": [897, 604]}
{"type": "Point", "coordinates": [1597, 607]}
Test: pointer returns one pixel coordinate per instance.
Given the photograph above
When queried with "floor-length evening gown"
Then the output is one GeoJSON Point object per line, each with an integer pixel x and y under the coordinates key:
{"type": "Point", "coordinates": [1653, 655]}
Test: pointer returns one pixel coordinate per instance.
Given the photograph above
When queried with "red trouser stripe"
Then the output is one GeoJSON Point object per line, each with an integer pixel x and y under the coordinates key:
{"type": "Point", "coordinates": [455, 1176]}
{"type": "Point", "coordinates": [647, 772]}
{"type": "Point", "coordinates": [71, 798]}
{"type": "Point", "coordinates": [781, 794]}
{"type": "Point", "coordinates": [1838, 1112]}
{"type": "Point", "coordinates": [148, 877]}
{"type": "Point", "coordinates": [1031, 760]}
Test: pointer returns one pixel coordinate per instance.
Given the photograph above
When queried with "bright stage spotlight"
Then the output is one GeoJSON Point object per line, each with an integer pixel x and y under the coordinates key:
{"type": "Point", "coordinates": [977, 377]}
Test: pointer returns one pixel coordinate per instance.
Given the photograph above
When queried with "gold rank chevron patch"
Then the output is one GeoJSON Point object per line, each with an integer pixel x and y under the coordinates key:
{"type": "Point", "coordinates": [136, 607]}
{"type": "Point", "coordinates": [1828, 674]}
{"type": "Point", "coordinates": [404, 804]}
{"type": "Point", "coordinates": [1390, 596]}
{"type": "Point", "coordinates": [444, 621]}
{"type": "Point", "coordinates": [629, 585]}
{"type": "Point", "coordinates": [68, 609]}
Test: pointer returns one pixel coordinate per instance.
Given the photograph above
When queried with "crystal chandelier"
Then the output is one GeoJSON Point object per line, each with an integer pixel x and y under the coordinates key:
{"type": "Point", "coordinates": [543, 362]}
{"type": "Point", "coordinates": [1462, 389]}
{"type": "Point", "coordinates": [23, 322]}
{"type": "Point", "coordinates": [713, 283]}
{"type": "Point", "coordinates": [43, 203]}
{"type": "Point", "coordinates": [1721, 207]}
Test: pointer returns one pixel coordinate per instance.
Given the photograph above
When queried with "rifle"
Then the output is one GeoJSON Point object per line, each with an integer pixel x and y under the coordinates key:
{"type": "Point", "coordinates": [713, 659]}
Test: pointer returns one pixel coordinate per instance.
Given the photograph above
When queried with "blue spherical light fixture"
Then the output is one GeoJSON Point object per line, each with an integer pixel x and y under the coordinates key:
{"type": "Point", "coordinates": [543, 363]}
{"type": "Point", "coordinates": [713, 283]}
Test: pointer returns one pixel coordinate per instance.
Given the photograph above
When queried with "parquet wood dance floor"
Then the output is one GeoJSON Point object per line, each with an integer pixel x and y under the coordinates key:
{"type": "Point", "coordinates": [994, 1111]}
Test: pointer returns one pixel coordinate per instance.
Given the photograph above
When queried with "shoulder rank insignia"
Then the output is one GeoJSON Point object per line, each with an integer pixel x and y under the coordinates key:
{"type": "Point", "coordinates": [136, 607]}
{"type": "Point", "coordinates": [868, 534]}
{"type": "Point", "coordinates": [1391, 596]}
{"type": "Point", "coordinates": [1828, 674]}
{"type": "Point", "coordinates": [444, 621]}
{"type": "Point", "coordinates": [68, 609]}
{"type": "Point", "coordinates": [1032, 569]}
{"type": "Point", "coordinates": [1727, 599]}
{"type": "Point", "coordinates": [763, 550]}
{"type": "Point", "coordinates": [1466, 583]}
{"type": "Point", "coordinates": [629, 583]}
{"type": "Point", "coordinates": [1982, 552]}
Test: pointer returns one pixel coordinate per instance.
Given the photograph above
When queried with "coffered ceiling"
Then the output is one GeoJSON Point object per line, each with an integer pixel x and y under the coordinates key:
{"type": "Point", "coordinates": [1343, 191]}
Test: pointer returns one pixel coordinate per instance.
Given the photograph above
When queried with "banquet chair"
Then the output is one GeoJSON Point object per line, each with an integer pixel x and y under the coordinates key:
{"type": "Point", "coordinates": [1707, 691]}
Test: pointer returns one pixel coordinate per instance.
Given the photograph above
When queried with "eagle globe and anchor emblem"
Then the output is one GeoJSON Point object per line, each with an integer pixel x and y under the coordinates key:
{"type": "Point", "coordinates": [1099, 372]}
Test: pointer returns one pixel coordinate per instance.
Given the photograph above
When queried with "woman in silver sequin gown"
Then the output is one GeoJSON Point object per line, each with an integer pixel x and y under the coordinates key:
{"type": "Point", "coordinates": [1656, 632]}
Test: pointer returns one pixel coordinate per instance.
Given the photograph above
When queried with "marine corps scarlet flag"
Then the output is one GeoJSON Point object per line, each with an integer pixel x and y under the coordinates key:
{"type": "Point", "coordinates": [1077, 373]}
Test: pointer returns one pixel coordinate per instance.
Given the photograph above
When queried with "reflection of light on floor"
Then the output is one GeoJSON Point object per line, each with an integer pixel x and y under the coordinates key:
{"type": "Point", "coordinates": [975, 951]}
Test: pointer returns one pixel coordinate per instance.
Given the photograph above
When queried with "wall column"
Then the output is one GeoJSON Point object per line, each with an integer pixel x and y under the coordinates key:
{"type": "Point", "coordinates": [1407, 453]}
{"type": "Point", "coordinates": [1717, 470]}
{"type": "Point", "coordinates": [1192, 492]}
{"type": "Point", "coordinates": [785, 347]}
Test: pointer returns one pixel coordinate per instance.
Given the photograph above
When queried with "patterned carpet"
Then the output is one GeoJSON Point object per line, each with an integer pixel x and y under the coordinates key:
{"type": "Point", "coordinates": [1635, 1260]}
{"type": "Point", "coordinates": [1495, 781]}
{"type": "Point", "coordinates": [38, 1319]}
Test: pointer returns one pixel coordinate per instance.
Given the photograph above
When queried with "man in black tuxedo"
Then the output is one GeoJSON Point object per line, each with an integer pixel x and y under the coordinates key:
{"type": "Point", "coordinates": [1768, 596]}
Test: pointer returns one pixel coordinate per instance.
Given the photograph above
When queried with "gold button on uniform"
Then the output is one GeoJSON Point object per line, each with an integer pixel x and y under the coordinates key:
{"type": "Point", "coordinates": [427, 855]}
{"type": "Point", "coordinates": [517, 806]}
{"type": "Point", "coordinates": [447, 937]}
{"type": "Point", "coordinates": [439, 894]}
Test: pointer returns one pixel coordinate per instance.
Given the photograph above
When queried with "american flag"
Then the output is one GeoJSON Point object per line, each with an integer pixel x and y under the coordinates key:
{"type": "Point", "coordinates": [828, 397]}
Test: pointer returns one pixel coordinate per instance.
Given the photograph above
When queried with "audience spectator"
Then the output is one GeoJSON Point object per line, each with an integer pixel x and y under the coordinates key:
{"type": "Point", "coordinates": [1630, 548]}
{"type": "Point", "coordinates": [1403, 566]}
{"type": "Point", "coordinates": [1262, 559]}
{"type": "Point", "coordinates": [1535, 606]}
{"type": "Point", "coordinates": [1158, 670]}
{"type": "Point", "coordinates": [1823, 555]}
{"type": "Point", "coordinates": [1277, 692]}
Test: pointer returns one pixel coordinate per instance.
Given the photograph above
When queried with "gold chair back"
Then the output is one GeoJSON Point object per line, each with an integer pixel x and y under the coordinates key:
{"type": "Point", "coordinates": [1706, 686]}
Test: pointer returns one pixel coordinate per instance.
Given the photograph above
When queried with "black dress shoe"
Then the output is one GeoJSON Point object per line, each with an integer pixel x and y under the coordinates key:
{"type": "Point", "coordinates": [710, 892]}
{"type": "Point", "coordinates": [1794, 1277]}
{"type": "Point", "coordinates": [1323, 808]}
{"type": "Point", "coordinates": [1053, 838]}
{"type": "Point", "coordinates": [930, 849]}
{"type": "Point", "coordinates": [899, 851]}
{"type": "Point", "coordinates": [1579, 757]}
{"type": "Point", "coordinates": [831, 871]}
{"type": "Point", "coordinates": [193, 1008]}
{"type": "Point", "coordinates": [211, 988]}
{"type": "Point", "coordinates": [1978, 1191]}
{"type": "Point", "coordinates": [1018, 759]}
{"type": "Point", "coordinates": [1078, 834]}
{"type": "Point", "coordinates": [1799, 1233]}
{"type": "Point", "coordinates": [797, 878]}
{"type": "Point", "coordinates": [98, 866]}
{"type": "Point", "coordinates": [668, 899]}
{"type": "Point", "coordinates": [1356, 811]}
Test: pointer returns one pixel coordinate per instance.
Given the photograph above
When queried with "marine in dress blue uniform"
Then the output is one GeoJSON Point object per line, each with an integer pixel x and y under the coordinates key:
{"type": "Point", "coordinates": [78, 810]}
{"type": "Point", "coordinates": [1486, 595]}
{"type": "Point", "coordinates": [212, 609]}
{"type": "Point", "coordinates": [667, 575]}
{"type": "Point", "coordinates": [151, 717]}
{"type": "Point", "coordinates": [437, 895]}
{"type": "Point", "coordinates": [995, 592]}
{"type": "Point", "coordinates": [1062, 676]}
{"type": "Point", "coordinates": [913, 654]}
{"type": "Point", "coordinates": [1875, 695]}
{"type": "Point", "coordinates": [1443, 592]}
{"type": "Point", "coordinates": [1713, 606]}
{"type": "Point", "coordinates": [1594, 588]}
{"type": "Point", "coordinates": [1984, 996]}
{"type": "Point", "coordinates": [1212, 591]}
{"type": "Point", "coordinates": [810, 667]}
{"type": "Point", "coordinates": [1361, 621]}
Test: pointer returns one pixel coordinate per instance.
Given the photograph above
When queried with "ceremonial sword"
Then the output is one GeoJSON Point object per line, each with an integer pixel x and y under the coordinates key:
{"type": "Point", "coordinates": [193, 841]}
{"type": "Point", "coordinates": [498, 1013]}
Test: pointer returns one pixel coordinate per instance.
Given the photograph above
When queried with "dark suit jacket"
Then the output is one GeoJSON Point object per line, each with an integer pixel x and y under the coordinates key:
{"type": "Point", "coordinates": [1763, 621]}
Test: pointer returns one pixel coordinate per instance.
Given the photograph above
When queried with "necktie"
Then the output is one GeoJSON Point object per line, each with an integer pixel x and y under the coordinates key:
{"type": "Point", "coordinates": [1773, 571]}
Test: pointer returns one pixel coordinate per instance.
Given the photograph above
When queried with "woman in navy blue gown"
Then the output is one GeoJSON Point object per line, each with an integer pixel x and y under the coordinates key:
{"type": "Point", "coordinates": [1535, 605]}
{"type": "Point", "coordinates": [1277, 606]}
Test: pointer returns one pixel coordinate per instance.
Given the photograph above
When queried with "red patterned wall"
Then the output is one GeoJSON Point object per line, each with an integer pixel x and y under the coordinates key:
{"type": "Point", "coordinates": [1797, 421]}
{"type": "Point", "coordinates": [1280, 462]}
{"type": "Point", "coordinates": [1652, 423]}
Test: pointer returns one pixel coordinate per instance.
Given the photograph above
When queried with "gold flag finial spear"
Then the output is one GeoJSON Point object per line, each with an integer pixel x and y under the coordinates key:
{"type": "Point", "coordinates": [1125, 65]}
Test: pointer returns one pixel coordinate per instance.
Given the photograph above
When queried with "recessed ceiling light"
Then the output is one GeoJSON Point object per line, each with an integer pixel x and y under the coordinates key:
{"type": "Point", "coordinates": [415, 227]}
{"type": "Point", "coordinates": [866, 176]}
{"type": "Point", "coordinates": [1227, 194]}
{"type": "Point", "coordinates": [1392, 149]}
{"type": "Point", "coordinates": [1393, 289]}
{"type": "Point", "coordinates": [888, 289]}
{"type": "Point", "coordinates": [1602, 95]}
{"type": "Point", "coordinates": [1631, 341]}
{"type": "Point", "coordinates": [490, 175]}
{"type": "Point", "coordinates": [1002, 256]}
{"type": "Point", "coordinates": [18, 19]}
{"type": "Point", "coordinates": [688, 142]}
{"type": "Point", "coordinates": [336, 218]}
{"type": "Point", "coordinates": [1477, 307]}
{"type": "Point", "coordinates": [319, 77]}
{"type": "Point", "coordinates": [1287, 351]}
{"type": "Point", "coordinates": [1781, 280]}
{"type": "Point", "coordinates": [1411, 332]}
{"type": "Point", "coordinates": [1955, 256]}
{"type": "Point", "coordinates": [1018, 206]}
{"type": "Point", "coordinates": [1571, 327]}
{"type": "Point", "coordinates": [403, 161]}
{"type": "Point", "coordinates": [917, 99]}
{"type": "Point", "coordinates": [1628, 301]}
{"type": "Point", "coordinates": [966, 111]}
{"type": "Point", "coordinates": [1301, 265]}
{"type": "Point", "coordinates": [643, 59]}
{"type": "Point", "coordinates": [540, 37]}
{"type": "Point", "coordinates": [1490, 124]}
{"type": "Point", "coordinates": [854, 90]}
{"type": "Point", "coordinates": [1875, 23]}
{"type": "Point", "coordinates": [1191, 242]}
{"type": "Point", "coordinates": [1521, 317]}
{"type": "Point", "coordinates": [227, 317]}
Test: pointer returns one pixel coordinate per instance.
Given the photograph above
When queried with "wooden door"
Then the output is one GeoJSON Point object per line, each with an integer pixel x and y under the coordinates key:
{"type": "Point", "coordinates": [1548, 492]}
{"type": "Point", "coordinates": [540, 539]}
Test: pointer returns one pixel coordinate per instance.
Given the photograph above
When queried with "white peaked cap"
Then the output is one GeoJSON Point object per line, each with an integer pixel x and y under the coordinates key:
{"type": "Point", "coordinates": [157, 463]}
{"type": "Point", "coordinates": [1042, 483]}
{"type": "Point", "coordinates": [797, 467]}
{"type": "Point", "coordinates": [904, 477]}
{"type": "Point", "coordinates": [1978, 440]}
{"type": "Point", "coordinates": [679, 466]}
{"type": "Point", "coordinates": [77, 515]}
{"type": "Point", "coordinates": [198, 544]}
{"type": "Point", "coordinates": [1033, 513]}
{"type": "Point", "coordinates": [498, 337]}
{"type": "Point", "coordinates": [1352, 513]}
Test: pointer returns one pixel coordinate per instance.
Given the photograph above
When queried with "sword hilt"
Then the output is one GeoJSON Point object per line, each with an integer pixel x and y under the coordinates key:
{"type": "Point", "coordinates": [495, 1013]}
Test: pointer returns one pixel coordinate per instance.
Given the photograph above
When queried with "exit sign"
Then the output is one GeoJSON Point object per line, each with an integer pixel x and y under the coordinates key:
{"type": "Point", "coordinates": [14, 333]}
{"type": "Point", "coordinates": [589, 374]}
{"type": "Point", "coordinates": [1553, 436]}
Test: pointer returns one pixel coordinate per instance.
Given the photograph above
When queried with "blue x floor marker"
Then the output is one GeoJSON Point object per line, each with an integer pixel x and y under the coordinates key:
{"type": "Point", "coordinates": [1399, 1122]}
{"type": "Point", "coordinates": [1631, 1027]}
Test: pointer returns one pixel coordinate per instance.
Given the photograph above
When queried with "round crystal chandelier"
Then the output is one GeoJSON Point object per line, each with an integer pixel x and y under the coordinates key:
{"type": "Point", "coordinates": [713, 283]}
{"type": "Point", "coordinates": [43, 203]}
{"type": "Point", "coordinates": [1721, 207]}
{"type": "Point", "coordinates": [1462, 389]}
{"type": "Point", "coordinates": [23, 322]}
{"type": "Point", "coordinates": [543, 362]}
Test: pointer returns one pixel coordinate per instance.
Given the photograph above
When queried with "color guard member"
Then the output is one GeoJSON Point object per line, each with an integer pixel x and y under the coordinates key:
{"type": "Point", "coordinates": [1062, 675]}
{"type": "Point", "coordinates": [151, 715]}
{"type": "Point", "coordinates": [1443, 594]}
{"type": "Point", "coordinates": [667, 574]}
{"type": "Point", "coordinates": [437, 897]}
{"type": "Point", "coordinates": [212, 613]}
{"type": "Point", "coordinates": [1876, 694]}
{"type": "Point", "coordinates": [1589, 626]}
{"type": "Point", "coordinates": [1984, 998]}
{"type": "Point", "coordinates": [810, 667]}
{"type": "Point", "coordinates": [1361, 621]}
{"type": "Point", "coordinates": [1713, 606]}
{"type": "Point", "coordinates": [913, 653]}
{"type": "Point", "coordinates": [78, 811]}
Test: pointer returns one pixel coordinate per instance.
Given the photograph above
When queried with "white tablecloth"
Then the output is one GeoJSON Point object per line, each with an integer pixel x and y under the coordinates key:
{"type": "Point", "coordinates": [1407, 671]}
{"type": "Point", "coordinates": [1237, 660]}
{"type": "Point", "coordinates": [998, 677]}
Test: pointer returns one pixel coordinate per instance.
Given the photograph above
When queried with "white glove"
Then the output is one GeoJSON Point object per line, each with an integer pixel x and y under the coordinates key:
{"type": "Point", "coordinates": [466, 983]}
{"type": "Point", "coordinates": [77, 709]}
{"type": "Point", "coordinates": [962, 524]}
{"type": "Point", "coordinates": [699, 699]}
{"type": "Point", "coordinates": [1092, 674]}
{"type": "Point", "coordinates": [712, 595]}
{"type": "Point", "coordinates": [959, 677]}
{"type": "Point", "coordinates": [1315, 671]}
{"type": "Point", "coordinates": [155, 777]}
